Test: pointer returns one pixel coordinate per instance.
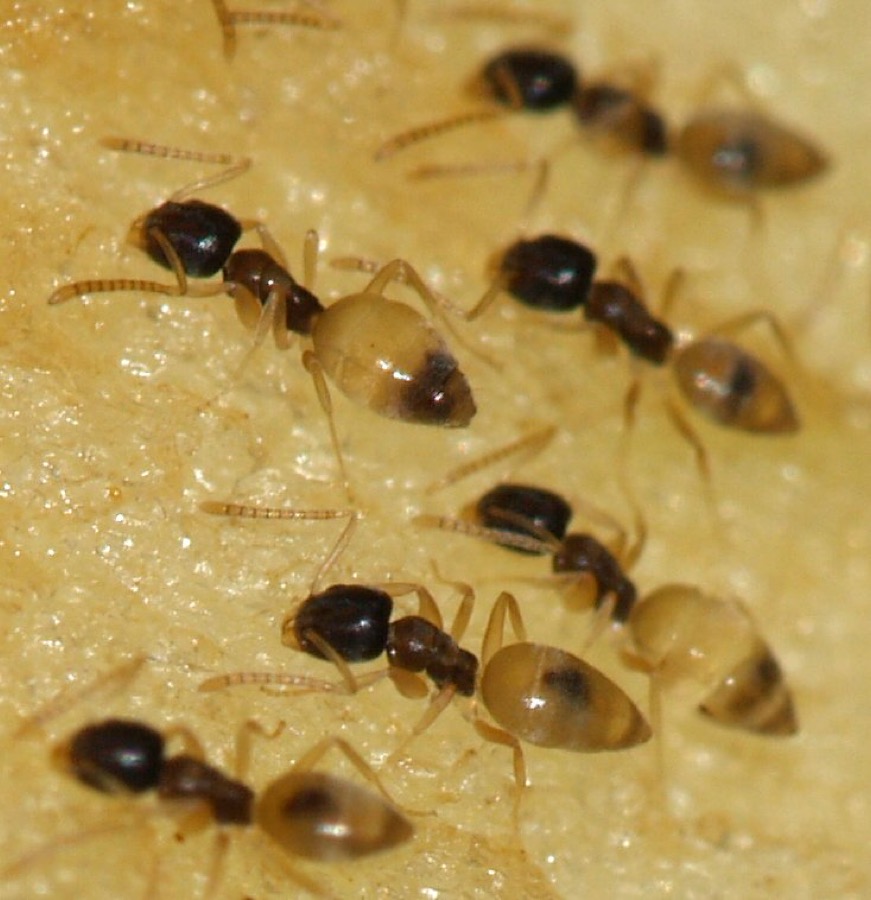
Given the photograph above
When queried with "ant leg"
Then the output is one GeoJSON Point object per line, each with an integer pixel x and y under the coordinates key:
{"type": "Point", "coordinates": [748, 319]}
{"type": "Point", "coordinates": [732, 76]}
{"type": "Point", "coordinates": [689, 434]}
{"type": "Point", "coordinates": [228, 29]}
{"type": "Point", "coordinates": [314, 368]}
{"type": "Point", "coordinates": [244, 734]}
{"type": "Point", "coordinates": [192, 745]}
{"type": "Point", "coordinates": [310, 252]}
{"type": "Point", "coordinates": [463, 615]}
{"type": "Point", "coordinates": [267, 241]}
{"type": "Point", "coordinates": [437, 706]}
{"type": "Point", "coordinates": [671, 292]}
{"type": "Point", "coordinates": [313, 756]}
{"type": "Point", "coordinates": [427, 608]}
{"type": "Point", "coordinates": [494, 633]}
{"type": "Point", "coordinates": [19, 867]}
{"type": "Point", "coordinates": [498, 736]}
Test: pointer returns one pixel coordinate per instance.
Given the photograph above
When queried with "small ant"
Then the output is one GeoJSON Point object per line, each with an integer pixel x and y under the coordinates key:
{"type": "Point", "coordinates": [348, 623]}
{"type": "Point", "coordinates": [677, 632]}
{"type": "Point", "coordinates": [380, 353]}
{"type": "Point", "coordinates": [719, 379]}
{"type": "Point", "coordinates": [307, 814]}
{"type": "Point", "coordinates": [549, 697]}
{"type": "Point", "coordinates": [534, 520]}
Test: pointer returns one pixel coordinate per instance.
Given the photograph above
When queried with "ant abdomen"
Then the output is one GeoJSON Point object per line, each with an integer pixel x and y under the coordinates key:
{"type": "Point", "coordinates": [319, 816]}
{"type": "Point", "coordinates": [737, 152]}
{"type": "Point", "coordinates": [386, 356]}
{"type": "Point", "coordinates": [679, 633]}
{"type": "Point", "coordinates": [733, 388]}
{"type": "Point", "coordinates": [551, 698]}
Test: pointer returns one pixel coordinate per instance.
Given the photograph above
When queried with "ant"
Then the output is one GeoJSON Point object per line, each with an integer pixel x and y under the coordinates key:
{"type": "Point", "coordinates": [228, 20]}
{"type": "Point", "coordinates": [722, 381]}
{"type": "Point", "coordinates": [677, 632]}
{"type": "Point", "coordinates": [307, 814]}
{"type": "Point", "coordinates": [347, 623]}
{"type": "Point", "coordinates": [380, 353]}
{"type": "Point", "coordinates": [534, 520]}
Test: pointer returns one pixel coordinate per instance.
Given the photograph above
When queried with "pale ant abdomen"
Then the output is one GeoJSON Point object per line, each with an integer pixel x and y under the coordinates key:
{"type": "Point", "coordinates": [385, 355]}
{"type": "Point", "coordinates": [321, 817]}
{"type": "Point", "coordinates": [551, 698]}
{"type": "Point", "coordinates": [734, 388]}
{"type": "Point", "coordinates": [680, 633]}
{"type": "Point", "coordinates": [738, 152]}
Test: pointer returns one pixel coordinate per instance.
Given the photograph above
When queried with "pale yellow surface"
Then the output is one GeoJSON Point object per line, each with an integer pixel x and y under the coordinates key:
{"type": "Point", "coordinates": [106, 450]}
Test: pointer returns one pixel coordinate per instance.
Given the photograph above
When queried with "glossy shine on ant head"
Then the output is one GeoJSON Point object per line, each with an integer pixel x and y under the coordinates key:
{"type": "Point", "coordinates": [550, 272]}
{"type": "Point", "coordinates": [529, 78]}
